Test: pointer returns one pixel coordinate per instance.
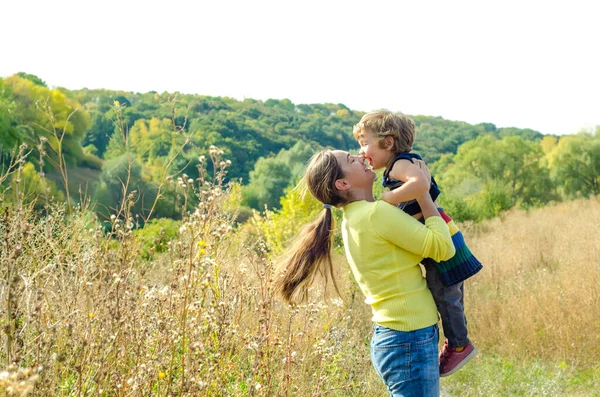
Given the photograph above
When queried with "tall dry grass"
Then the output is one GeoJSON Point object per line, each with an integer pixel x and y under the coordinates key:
{"type": "Point", "coordinates": [539, 293]}
{"type": "Point", "coordinates": [83, 314]}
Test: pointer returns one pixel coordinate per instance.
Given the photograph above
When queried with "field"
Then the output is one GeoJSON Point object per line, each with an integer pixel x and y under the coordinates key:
{"type": "Point", "coordinates": [88, 312]}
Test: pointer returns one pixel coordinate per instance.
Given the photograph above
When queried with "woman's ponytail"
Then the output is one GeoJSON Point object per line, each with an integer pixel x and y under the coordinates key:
{"type": "Point", "coordinates": [311, 253]}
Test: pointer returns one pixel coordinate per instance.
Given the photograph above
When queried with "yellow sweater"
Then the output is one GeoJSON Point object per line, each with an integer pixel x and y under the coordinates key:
{"type": "Point", "coordinates": [384, 247]}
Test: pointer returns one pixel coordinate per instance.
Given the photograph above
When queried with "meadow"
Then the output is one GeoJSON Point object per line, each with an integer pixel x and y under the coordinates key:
{"type": "Point", "coordinates": [91, 309]}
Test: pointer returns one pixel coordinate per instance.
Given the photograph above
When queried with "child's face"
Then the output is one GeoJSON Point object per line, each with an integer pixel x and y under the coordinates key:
{"type": "Point", "coordinates": [377, 157]}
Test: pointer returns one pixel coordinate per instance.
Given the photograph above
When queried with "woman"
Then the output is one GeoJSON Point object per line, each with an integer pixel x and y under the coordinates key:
{"type": "Point", "coordinates": [384, 247]}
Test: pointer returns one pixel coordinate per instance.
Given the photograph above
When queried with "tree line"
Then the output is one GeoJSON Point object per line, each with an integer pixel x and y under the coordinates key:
{"type": "Point", "coordinates": [151, 142]}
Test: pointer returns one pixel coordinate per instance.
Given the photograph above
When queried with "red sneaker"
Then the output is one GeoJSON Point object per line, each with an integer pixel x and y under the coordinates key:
{"type": "Point", "coordinates": [452, 360]}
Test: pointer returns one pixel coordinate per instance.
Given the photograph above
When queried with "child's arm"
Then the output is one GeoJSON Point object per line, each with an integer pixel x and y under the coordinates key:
{"type": "Point", "coordinates": [416, 182]}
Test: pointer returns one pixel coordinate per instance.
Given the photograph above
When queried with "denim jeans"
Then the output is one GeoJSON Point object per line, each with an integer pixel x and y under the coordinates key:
{"type": "Point", "coordinates": [450, 305]}
{"type": "Point", "coordinates": [407, 361]}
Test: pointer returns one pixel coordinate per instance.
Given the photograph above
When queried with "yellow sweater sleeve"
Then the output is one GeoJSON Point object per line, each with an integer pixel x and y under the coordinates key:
{"type": "Point", "coordinates": [431, 240]}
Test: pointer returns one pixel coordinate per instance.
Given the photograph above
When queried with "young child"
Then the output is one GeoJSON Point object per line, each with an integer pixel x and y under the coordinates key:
{"type": "Point", "coordinates": [386, 141]}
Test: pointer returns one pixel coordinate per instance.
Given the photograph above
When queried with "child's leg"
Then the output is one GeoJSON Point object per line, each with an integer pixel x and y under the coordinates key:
{"type": "Point", "coordinates": [450, 305]}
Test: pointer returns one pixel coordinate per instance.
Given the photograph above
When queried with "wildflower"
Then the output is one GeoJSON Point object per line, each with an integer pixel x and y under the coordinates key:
{"type": "Point", "coordinates": [91, 315]}
{"type": "Point", "coordinates": [161, 375]}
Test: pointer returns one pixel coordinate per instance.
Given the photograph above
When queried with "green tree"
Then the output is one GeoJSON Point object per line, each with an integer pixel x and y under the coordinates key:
{"type": "Point", "coordinates": [33, 78]}
{"type": "Point", "coordinates": [8, 133]}
{"type": "Point", "coordinates": [51, 115]}
{"type": "Point", "coordinates": [151, 139]}
{"type": "Point", "coordinates": [577, 164]}
{"type": "Point", "coordinates": [120, 177]}
{"type": "Point", "coordinates": [99, 133]}
{"type": "Point", "coordinates": [279, 227]}
{"type": "Point", "coordinates": [271, 176]}
{"type": "Point", "coordinates": [32, 188]}
{"type": "Point", "coordinates": [491, 175]}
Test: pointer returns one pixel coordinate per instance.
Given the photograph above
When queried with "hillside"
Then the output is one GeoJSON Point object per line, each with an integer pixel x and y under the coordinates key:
{"type": "Point", "coordinates": [146, 142]}
{"type": "Point", "coordinates": [246, 130]}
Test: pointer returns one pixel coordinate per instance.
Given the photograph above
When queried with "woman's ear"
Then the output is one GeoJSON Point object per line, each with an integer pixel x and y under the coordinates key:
{"type": "Point", "coordinates": [341, 185]}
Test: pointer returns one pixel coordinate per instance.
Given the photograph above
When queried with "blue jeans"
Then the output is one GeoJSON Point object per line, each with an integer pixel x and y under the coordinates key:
{"type": "Point", "coordinates": [450, 304]}
{"type": "Point", "coordinates": [407, 361]}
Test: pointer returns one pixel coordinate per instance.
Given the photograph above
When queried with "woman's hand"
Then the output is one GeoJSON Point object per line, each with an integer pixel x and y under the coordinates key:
{"type": "Point", "coordinates": [424, 169]}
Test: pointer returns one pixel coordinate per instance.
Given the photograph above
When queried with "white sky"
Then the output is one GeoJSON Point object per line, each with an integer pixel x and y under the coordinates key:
{"type": "Point", "coordinates": [528, 64]}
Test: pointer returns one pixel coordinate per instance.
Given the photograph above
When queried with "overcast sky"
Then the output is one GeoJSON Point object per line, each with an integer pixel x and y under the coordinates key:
{"type": "Point", "coordinates": [527, 64]}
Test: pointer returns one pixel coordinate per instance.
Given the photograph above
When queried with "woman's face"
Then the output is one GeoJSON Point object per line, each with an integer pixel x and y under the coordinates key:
{"type": "Point", "coordinates": [355, 170]}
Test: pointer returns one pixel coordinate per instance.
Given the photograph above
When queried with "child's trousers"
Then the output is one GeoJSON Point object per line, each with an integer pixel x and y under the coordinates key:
{"type": "Point", "coordinates": [450, 305]}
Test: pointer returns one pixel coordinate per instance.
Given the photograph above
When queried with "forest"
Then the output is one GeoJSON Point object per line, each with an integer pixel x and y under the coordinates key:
{"type": "Point", "coordinates": [82, 145]}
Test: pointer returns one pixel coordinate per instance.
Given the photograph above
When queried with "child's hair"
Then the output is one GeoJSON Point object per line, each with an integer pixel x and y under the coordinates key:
{"type": "Point", "coordinates": [312, 250]}
{"type": "Point", "coordinates": [383, 123]}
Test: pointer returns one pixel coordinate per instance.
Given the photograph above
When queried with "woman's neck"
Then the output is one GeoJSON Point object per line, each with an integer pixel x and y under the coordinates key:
{"type": "Point", "coordinates": [360, 195]}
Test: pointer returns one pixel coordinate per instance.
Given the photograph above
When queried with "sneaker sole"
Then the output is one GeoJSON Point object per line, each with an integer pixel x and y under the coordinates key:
{"type": "Point", "coordinates": [461, 364]}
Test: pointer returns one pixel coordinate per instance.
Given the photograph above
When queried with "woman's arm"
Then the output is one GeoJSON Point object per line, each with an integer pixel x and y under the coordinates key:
{"type": "Point", "coordinates": [428, 207]}
{"type": "Point", "coordinates": [431, 240]}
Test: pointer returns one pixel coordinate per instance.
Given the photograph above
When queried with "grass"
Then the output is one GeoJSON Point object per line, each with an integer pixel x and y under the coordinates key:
{"type": "Point", "coordinates": [86, 314]}
{"type": "Point", "coordinates": [533, 310]}
{"type": "Point", "coordinates": [491, 375]}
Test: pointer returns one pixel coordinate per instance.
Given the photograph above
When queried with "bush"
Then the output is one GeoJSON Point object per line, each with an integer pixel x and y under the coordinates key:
{"type": "Point", "coordinates": [155, 236]}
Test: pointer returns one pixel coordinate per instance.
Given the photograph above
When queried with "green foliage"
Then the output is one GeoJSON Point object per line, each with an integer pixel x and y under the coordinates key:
{"type": "Point", "coordinates": [8, 133]}
{"type": "Point", "coordinates": [33, 78]}
{"type": "Point", "coordinates": [278, 228]}
{"type": "Point", "coordinates": [436, 136]}
{"type": "Point", "coordinates": [121, 177]}
{"type": "Point", "coordinates": [151, 139]}
{"type": "Point", "coordinates": [271, 176]}
{"type": "Point", "coordinates": [117, 146]}
{"type": "Point", "coordinates": [577, 164]}
{"type": "Point", "coordinates": [99, 133]}
{"type": "Point", "coordinates": [490, 175]}
{"type": "Point", "coordinates": [493, 375]}
{"type": "Point", "coordinates": [482, 168]}
{"type": "Point", "coordinates": [459, 208]}
{"type": "Point", "coordinates": [48, 114]}
{"type": "Point", "coordinates": [29, 185]}
{"type": "Point", "coordinates": [155, 236]}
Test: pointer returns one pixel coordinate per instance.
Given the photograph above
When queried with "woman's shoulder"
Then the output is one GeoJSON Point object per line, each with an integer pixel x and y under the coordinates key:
{"type": "Point", "coordinates": [372, 208]}
{"type": "Point", "coordinates": [385, 211]}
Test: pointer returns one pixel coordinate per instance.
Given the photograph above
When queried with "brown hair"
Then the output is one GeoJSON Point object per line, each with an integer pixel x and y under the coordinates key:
{"type": "Point", "coordinates": [311, 253]}
{"type": "Point", "coordinates": [384, 123]}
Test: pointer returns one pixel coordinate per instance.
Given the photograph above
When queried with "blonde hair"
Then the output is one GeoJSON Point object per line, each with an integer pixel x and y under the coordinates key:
{"type": "Point", "coordinates": [383, 123]}
{"type": "Point", "coordinates": [311, 253]}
